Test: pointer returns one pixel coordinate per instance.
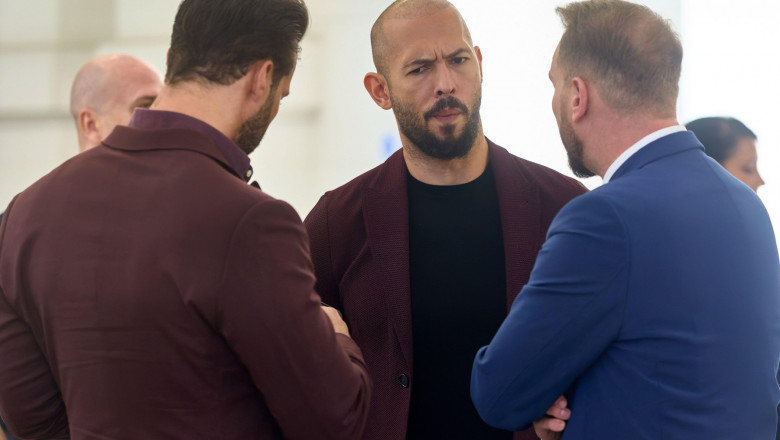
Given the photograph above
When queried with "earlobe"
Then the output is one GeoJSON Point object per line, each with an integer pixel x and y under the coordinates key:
{"type": "Point", "coordinates": [376, 85]}
{"type": "Point", "coordinates": [579, 100]}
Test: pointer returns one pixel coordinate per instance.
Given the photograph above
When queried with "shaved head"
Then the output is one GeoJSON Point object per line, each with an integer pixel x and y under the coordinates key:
{"type": "Point", "coordinates": [403, 10]}
{"type": "Point", "coordinates": [109, 87]}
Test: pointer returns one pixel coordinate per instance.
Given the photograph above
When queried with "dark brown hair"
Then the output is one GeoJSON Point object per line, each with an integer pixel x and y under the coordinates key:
{"type": "Point", "coordinates": [631, 52]}
{"type": "Point", "coordinates": [217, 40]}
{"type": "Point", "coordinates": [720, 135]}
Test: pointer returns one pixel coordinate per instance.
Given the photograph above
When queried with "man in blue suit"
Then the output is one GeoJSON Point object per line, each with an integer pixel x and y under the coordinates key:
{"type": "Point", "coordinates": [654, 304]}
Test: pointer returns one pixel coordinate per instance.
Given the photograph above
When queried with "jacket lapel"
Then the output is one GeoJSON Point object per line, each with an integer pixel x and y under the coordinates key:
{"type": "Point", "coordinates": [386, 208]}
{"type": "Point", "coordinates": [518, 200]}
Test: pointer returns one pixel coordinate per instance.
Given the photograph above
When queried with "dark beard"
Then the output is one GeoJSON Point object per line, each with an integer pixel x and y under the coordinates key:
{"type": "Point", "coordinates": [451, 147]}
{"type": "Point", "coordinates": [574, 149]}
{"type": "Point", "coordinates": [251, 132]}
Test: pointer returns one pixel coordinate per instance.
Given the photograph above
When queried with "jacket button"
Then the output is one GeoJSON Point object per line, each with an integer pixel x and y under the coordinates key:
{"type": "Point", "coordinates": [404, 380]}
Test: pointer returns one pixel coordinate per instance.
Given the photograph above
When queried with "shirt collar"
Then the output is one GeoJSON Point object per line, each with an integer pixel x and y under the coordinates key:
{"type": "Point", "coordinates": [155, 119]}
{"type": "Point", "coordinates": [654, 136]}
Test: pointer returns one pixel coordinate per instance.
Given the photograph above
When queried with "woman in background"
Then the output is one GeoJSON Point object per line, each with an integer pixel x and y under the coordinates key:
{"type": "Point", "coordinates": [732, 145]}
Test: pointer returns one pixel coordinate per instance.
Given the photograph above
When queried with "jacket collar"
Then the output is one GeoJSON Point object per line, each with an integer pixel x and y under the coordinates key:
{"type": "Point", "coordinates": [658, 149]}
{"type": "Point", "coordinates": [161, 130]}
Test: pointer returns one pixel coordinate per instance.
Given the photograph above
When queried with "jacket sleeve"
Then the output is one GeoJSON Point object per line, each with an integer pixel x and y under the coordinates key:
{"type": "Point", "coordinates": [563, 319]}
{"type": "Point", "coordinates": [319, 237]}
{"type": "Point", "coordinates": [313, 380]}
{"type": "Point", "coordinates": [30, 401]}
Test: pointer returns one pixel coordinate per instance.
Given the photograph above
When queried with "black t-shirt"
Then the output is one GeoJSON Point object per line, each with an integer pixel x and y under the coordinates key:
{"type": "Point", "coordinates": [458, 288]}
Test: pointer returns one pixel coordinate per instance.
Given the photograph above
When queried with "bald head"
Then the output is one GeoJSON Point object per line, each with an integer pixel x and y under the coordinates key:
{"type": "Point", "coordinates": [403, 10]}
{"type": "Point", "coordinates": [105, 92]}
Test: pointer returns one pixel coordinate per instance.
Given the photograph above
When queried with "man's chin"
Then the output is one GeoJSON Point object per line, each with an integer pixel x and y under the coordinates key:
{"type": "Point", "coordinates": [446, 132]}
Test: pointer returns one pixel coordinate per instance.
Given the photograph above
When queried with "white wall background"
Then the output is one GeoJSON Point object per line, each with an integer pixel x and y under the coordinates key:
{"type": "Point", "coordinates": [329, 130]}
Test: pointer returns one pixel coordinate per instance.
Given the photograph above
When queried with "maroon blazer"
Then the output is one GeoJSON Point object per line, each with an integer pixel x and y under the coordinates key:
{"type": "Point", "coordinates": [148, 292]}
{"type": "Point", "coordinates": [360, 247]}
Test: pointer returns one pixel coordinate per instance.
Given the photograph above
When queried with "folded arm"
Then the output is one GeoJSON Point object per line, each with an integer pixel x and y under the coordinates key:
{"type": "Point", "coordinates": [561, 322]}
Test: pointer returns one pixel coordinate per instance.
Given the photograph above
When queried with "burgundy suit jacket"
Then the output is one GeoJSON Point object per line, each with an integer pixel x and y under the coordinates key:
{"type": "Point", "coordinates": [148, 292]}
{"type": "Point", "coordinates": [360, 247]}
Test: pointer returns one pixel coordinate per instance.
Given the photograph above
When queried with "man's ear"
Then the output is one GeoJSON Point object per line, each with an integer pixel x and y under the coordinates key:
{"type": "Point", "coordinates": [376, 85]}
{"type": "Point", "coordinates": [579, 99]}
{"type": "Point", "coordinates": [260, 80]}
{"type": "Point", "coordinates": [89, 127]}
{"type": "Point", "coordinates": [479, 60]}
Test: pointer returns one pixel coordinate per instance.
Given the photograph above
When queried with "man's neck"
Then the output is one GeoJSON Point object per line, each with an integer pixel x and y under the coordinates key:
{"type": "Point", "coordinates": [618, 136]}
{"type": "Point", "coordinates": [445, 172]}
{"type": "Point", "coordinates": [209, 105]}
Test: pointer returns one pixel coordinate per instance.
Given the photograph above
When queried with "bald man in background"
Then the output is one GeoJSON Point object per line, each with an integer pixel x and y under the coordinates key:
{"type": "Point", "coordinates": [104, 94]}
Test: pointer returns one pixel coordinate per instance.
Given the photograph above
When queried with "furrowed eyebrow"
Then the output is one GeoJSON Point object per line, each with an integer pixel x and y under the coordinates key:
{"type": "Point", "coordinates": [422, 61]}
{"type": "Point", "coordinates": [456, 53]}
{"type": "Point", "coordinates": [419, 61]}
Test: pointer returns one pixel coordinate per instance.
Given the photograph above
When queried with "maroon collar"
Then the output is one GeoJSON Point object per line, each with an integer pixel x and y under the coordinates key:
{"type": "Point", "coordinates": [159, 119]}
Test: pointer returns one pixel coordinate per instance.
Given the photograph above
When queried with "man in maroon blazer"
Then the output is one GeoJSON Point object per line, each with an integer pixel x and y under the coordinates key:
{"type": "Point", "coordinates": [424, 253]}
{"type": "Point", "coordinates": [148, 292]}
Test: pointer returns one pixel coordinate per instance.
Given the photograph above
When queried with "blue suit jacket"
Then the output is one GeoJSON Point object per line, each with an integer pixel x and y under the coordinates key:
{"type": "Point", "coordinates": [654, 305]}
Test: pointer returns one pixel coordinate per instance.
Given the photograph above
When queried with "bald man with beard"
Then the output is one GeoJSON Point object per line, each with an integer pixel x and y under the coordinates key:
{"type": "Point", "coordinates": [424, 253]}
{"type": "Point", "coordinates": [105, 92]}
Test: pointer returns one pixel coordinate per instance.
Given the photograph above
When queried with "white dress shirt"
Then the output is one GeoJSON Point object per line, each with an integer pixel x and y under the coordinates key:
{"type": "Point", "coordinates": [638, 146]}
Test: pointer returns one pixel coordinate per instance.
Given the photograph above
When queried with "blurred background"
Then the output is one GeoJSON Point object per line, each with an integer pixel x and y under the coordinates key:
{"type": "Point", "coordinates": [328, 130]}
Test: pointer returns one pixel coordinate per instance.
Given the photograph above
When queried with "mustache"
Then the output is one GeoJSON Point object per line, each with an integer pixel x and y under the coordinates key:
{"type": "Point", "coordinates": [448, 102]}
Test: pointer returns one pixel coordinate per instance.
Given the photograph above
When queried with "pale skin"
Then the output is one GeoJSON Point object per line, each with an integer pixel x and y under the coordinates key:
{"type": "Point", "coordinates": [742, 163]}
{"type": "Point", "coordinates": [430, 57]}
{"type": "Point", "coordinates": [339, 326]}
{"type": "Point", "coordinates": [227, 107]}
{"type": "Point", "coordinates": [105, 92]}
{"type": "Point", "coordinates": [552, 425]}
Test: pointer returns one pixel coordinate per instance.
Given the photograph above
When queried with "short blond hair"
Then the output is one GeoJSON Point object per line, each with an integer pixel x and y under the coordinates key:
{"type": "Point", "coordinates": [631, 52]}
